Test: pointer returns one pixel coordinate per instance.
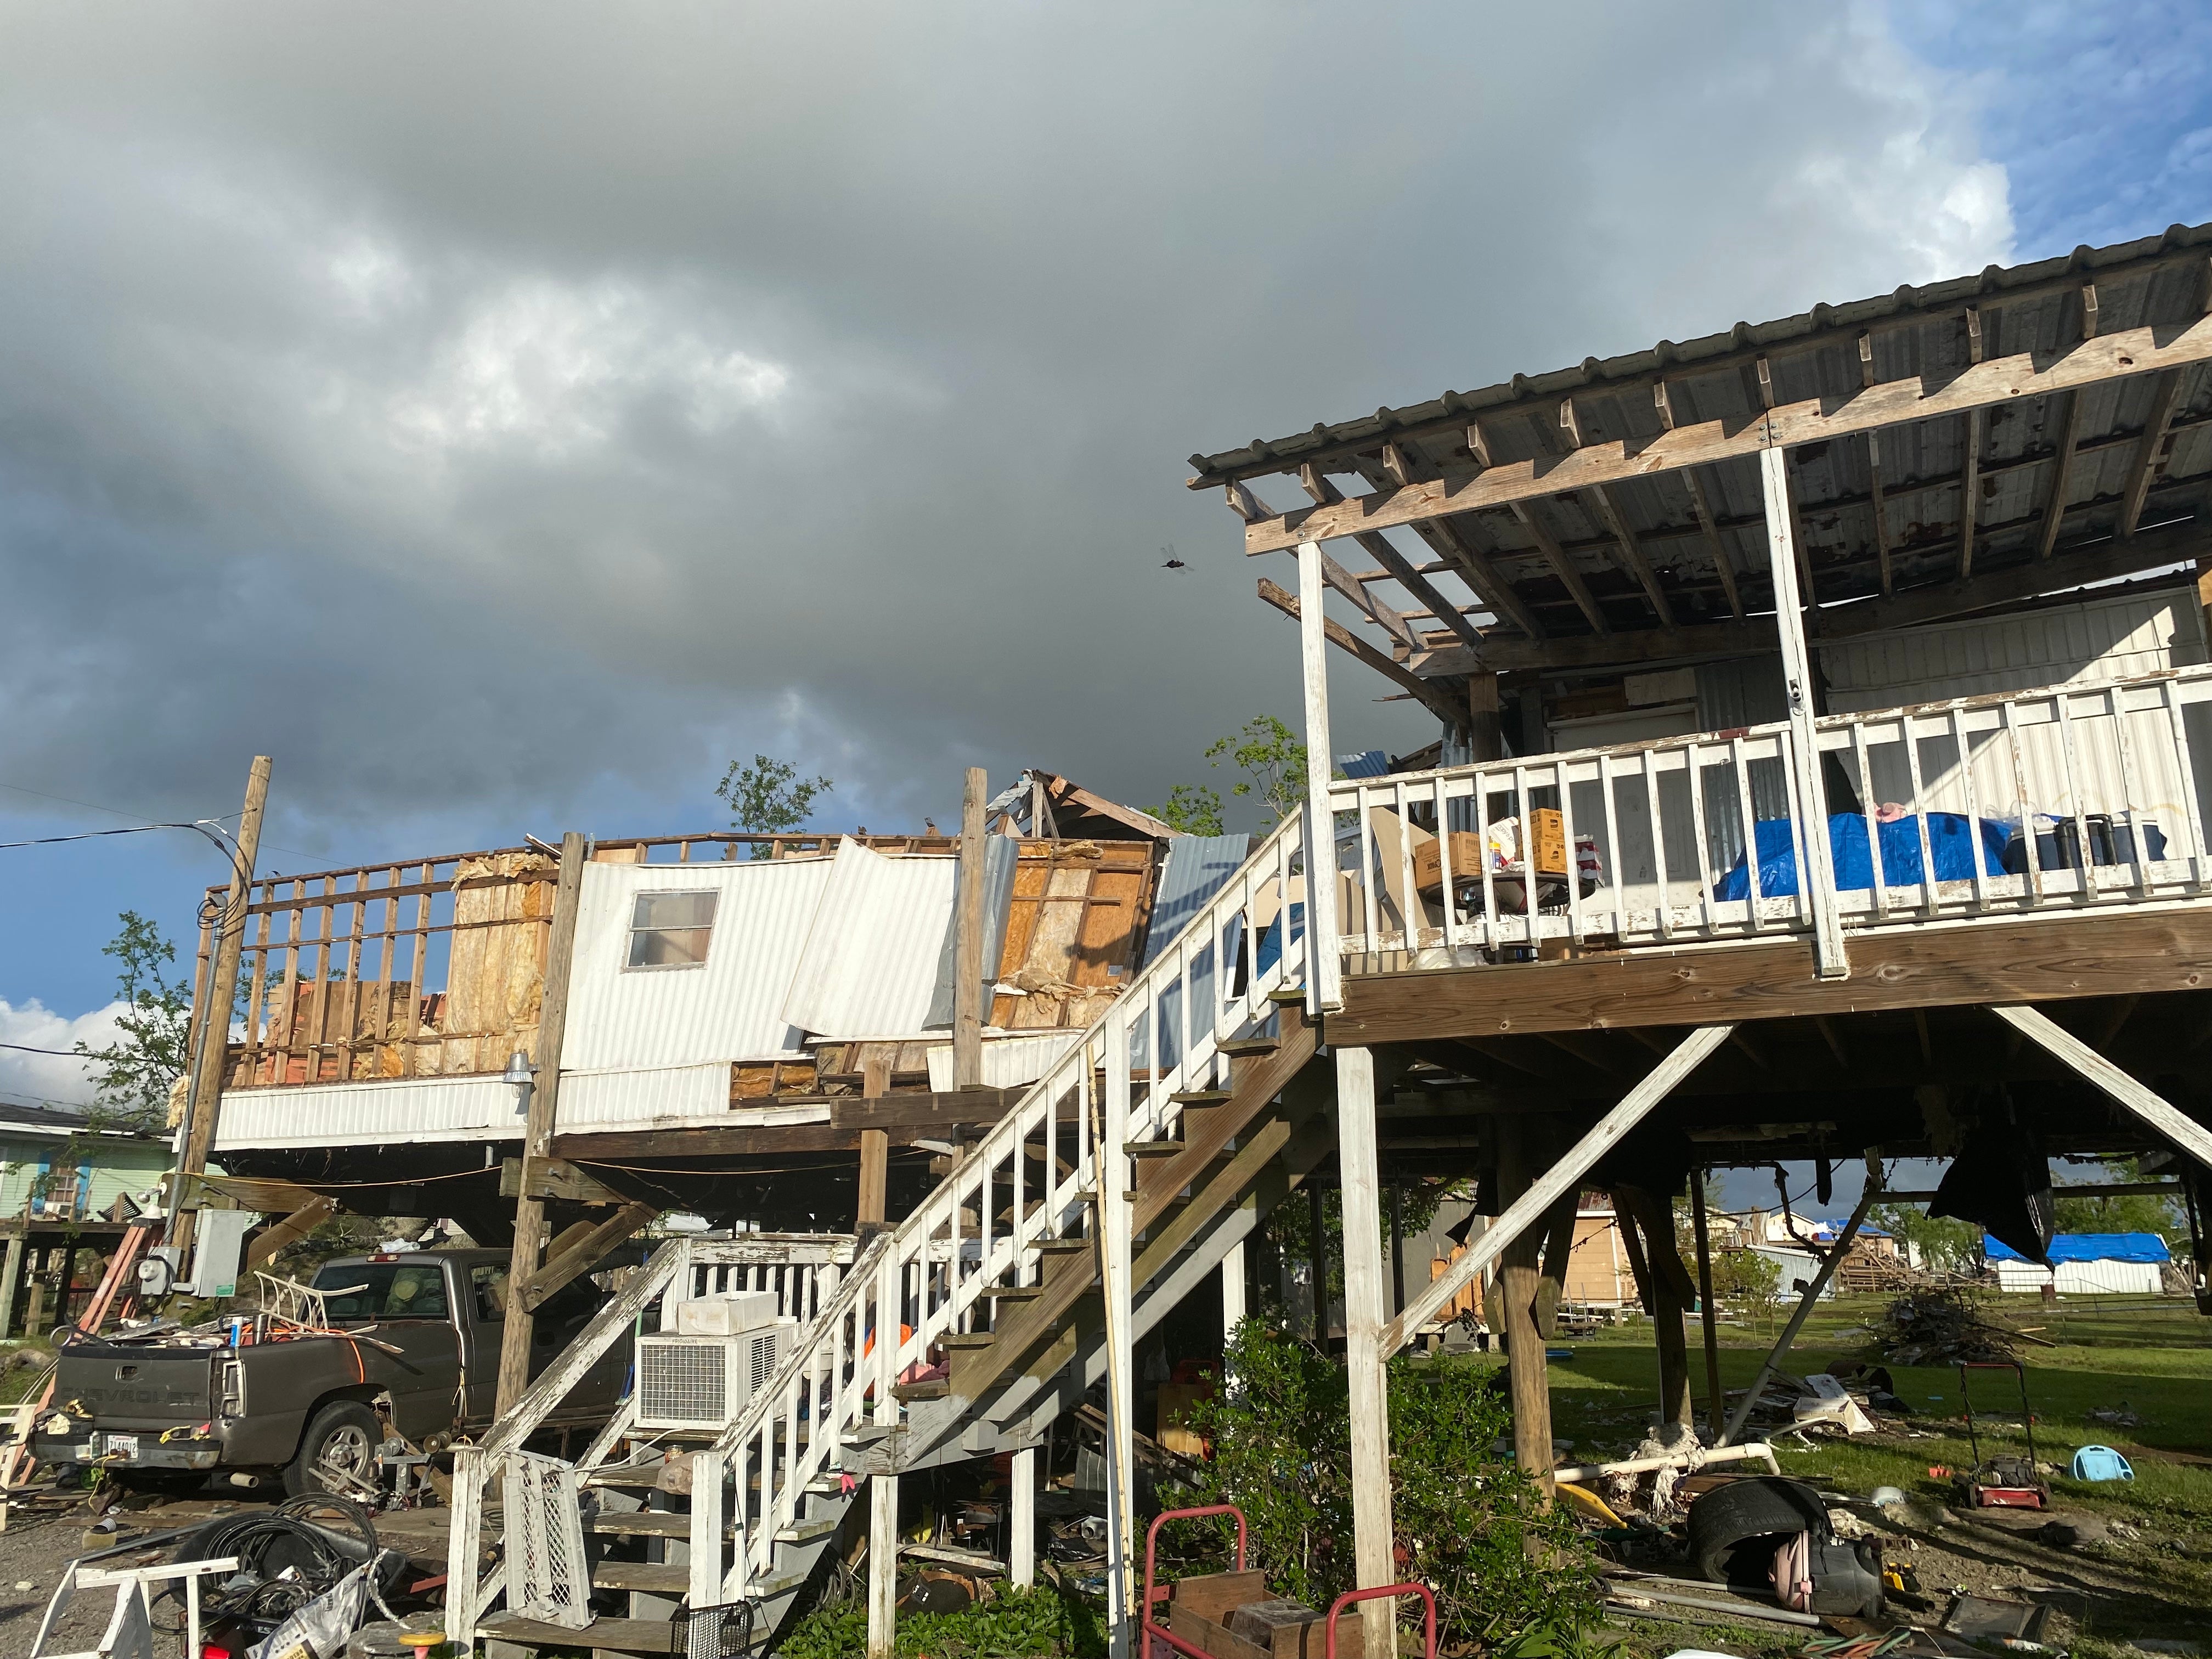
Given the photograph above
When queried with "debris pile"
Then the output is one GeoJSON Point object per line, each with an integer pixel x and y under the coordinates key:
{"type": "Point", "coordinates": [1942, 1325]}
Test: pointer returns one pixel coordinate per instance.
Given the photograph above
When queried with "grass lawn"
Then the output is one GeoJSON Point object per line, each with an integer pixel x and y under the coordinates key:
{"type": "Point", "coordinates": [2155, 1363]}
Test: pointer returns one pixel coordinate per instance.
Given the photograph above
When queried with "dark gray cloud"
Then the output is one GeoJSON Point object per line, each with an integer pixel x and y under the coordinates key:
{"type": "Point", "coordinates": [502, 414]}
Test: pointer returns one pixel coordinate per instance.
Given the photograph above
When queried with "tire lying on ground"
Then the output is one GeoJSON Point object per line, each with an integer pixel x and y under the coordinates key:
{"type": "Point", "coordinates": [345, 1433]}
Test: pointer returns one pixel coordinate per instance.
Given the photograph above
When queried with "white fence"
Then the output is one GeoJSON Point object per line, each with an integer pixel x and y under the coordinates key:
{"type": "Point", "coordinates": [2011, 803]}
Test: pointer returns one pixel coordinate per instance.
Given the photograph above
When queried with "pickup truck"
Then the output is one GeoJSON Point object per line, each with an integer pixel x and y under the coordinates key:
{"type": "Point", "coordinates": [165, 1410]}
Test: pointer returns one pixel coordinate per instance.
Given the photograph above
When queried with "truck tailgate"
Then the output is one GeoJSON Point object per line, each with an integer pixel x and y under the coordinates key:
{"type": "Point", "coordinates": [134, 1388]}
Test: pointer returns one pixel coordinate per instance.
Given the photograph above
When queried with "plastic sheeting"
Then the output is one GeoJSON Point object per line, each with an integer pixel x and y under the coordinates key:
{"type": "Point", "coordinates": [2089, 1247]}
{"type": "Point", "coordinates": [1949, 842]}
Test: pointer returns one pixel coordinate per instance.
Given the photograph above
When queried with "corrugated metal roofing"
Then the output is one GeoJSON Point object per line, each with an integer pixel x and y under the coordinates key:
{"type": "Point", "coordinates": [1915, 335]}
{"type": "Point", "coordinates": [870, 962]}
{"type": "Point", "coordinates": [1008, 1061]}
{"type": "Point", "coordinates": [730, 1008]}
{"type": "Point", "coordinates": [665, 1097]}
{"type": "Point", "coordinates": [1001, 855]}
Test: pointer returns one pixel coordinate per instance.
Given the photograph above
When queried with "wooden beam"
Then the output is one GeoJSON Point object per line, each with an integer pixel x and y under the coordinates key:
{"type": "Point", "coordinates": [552, 1177]}
{"type": "Point", "coordinates": [2108, 953]}
{"type": "Point", "coordinates": [1344, 639]}
{"type": "Point", "coordinates": [1397, 566]}
{"type": "Point", "coordinates": [1889, 403]}
{"type": "Point", "coordinates": [1564, 1174]}
{"type": "Point", "coordinates": [1663, 401]}
{"type": "Point", "coordinates": [1455, 546]}
{"type": "Point", "coordinates": [1633, 555]}
{"type": "Point", "coordinates": [1389, 621]}
{"type": "Point", "coordinates": [921, 1110]}
{"type": "Point", "coordinates": [295, 1226]}
{"type": "Point", "coordinates": [2062, 475]}
{"type": "Point", "coordinates": [2179, 1130]}
{"type": "Point", "coordinates": [721, 1142]}
{"type": "Point", "coordinates": [579, 1256]}
{"type": "Point", "coordinates": [2151, 458]}
{"type": "Point", "coordinates": [1562, 566]}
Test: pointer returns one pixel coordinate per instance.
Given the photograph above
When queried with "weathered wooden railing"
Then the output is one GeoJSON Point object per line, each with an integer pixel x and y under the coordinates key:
{"type": "Point", "coordinates": [2011, 803]}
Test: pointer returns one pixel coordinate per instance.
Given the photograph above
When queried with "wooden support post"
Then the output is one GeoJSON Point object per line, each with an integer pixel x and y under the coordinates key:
{"type": "Point", "coordinates": [1325, 965]}
{"type": "Point", "coordinates": [968, 967]}
{"type": "Point", "coordinates": [11, 1284]}
{"type": "Point", "coordinates": [1817, 880]}
{"type": "Point", "coordinates": [1551, 1277]}
{"type": "Point", "coordinates": [1021, 1519]}
{"type": "Point", "coordinates": [1673, 1344]}
{"type": "Point", "coordinates": [875, 1148]}
{"type": "Point", "coordinates": [882, 1565]}
{"type": "Point", "coordinates": [1317, 1258]}
{"type": "Point", "coordinates": [1486, 724]}
{"type": "Point", "coordinates": [1713, 1398]}
{"type": "Point", "coordinates": [1232, 1291]}
{"type": "Point", "coordinates": [1114, 1218]}
{"type": "Point", "coordinates": [1527, 1371]}
{"type": "Point", "coordinates": [1397, 1243]}
{"type": "Point", "coordinates": [573, 1256]}
{"type": "Point", "coordinates": [1828, 1266]}
{"type": "Point", "coordinates": [1364, 1315]}
{"type": "Point", "coordinates": [211, 1044]}
{"type": "Point", "coordinates": [537, 1125]}
{"type": "Point", "coordinates": [35, 1308]}
{"type": "Point", "coordinates": [66, 1283]}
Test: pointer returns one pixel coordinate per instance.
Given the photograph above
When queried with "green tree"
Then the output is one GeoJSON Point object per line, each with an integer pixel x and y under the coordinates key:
{"type": "Point", "coordinates": [1946, 1243]}
{"type": "Point", "coordinates": [1749, 1280]}
{"type": "Point", "coordinates": [131, 1075]}
{"type": "Point", "coordinates": [2127, 1213]}
{"type": "Point", "coordinates": [1192, 810]}
{"type": "Point", "coordinates": [769, 798]}
{"type": "Point", "coordinates": [1274, 762]}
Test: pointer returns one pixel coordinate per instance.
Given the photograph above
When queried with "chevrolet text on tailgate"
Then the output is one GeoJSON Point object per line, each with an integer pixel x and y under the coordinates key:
{"type": "Point", "coordinates": [409, 1338]}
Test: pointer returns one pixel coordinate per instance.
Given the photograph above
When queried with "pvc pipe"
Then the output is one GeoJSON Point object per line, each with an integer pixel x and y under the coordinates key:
{"type": "Point", "coordinates": [1733, 1609]}
{"type": "Point", "coordinates": [1752, 1448]}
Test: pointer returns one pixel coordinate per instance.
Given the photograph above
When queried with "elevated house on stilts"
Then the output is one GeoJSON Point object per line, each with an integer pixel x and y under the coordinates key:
{"type": "Point", "coordinates": [1822, 712]}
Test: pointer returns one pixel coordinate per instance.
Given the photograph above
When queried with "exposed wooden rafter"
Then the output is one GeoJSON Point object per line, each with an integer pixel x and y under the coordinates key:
{"type": "Point", "coordinates": [1436, 696]}
{"type": "Point", "coordinates": [1378, 547]}
{"type": "Point", "coordinates": [1888, 402]}
{"type": "Point", "coordinates": [1455, 545]}
{"type": "Point", "coordinates": [1610, 514]}
{"type": "Point", "coordinates": [1970, 459]}
{"type": "Point", "coordinates": [1723, 567]}
{"type": "Point", "coordinates": [2062, 475]}
{"type": "Point", "coordinates": [2152, 456]}
{"type": "Point", "coordinates": [1546, 544]}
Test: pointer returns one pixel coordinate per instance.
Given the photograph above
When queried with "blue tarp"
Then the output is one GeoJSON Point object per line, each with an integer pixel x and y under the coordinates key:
{"type": "Point", "coordinates": [1949, 839]}
{"type": "Point", "coordinates": [2090, 1247]}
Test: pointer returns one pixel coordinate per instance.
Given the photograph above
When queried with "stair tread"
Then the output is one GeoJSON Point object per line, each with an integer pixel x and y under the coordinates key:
{"type": "Point", "coordinates": [966, 1340]}
{"type": "Point", "coordinates": [935, 1388]}
{"type": "Point", "coordinates": [1062, 1246]}
{"type": "Point", "coordinates": [1204, 1098]}
{"type": "Point", "coordinates": [801, 1532]}
{"type": "Point", "coordinates": [651, 1577]}
{"type": "Point", "coordinates": [1153, 1148]}
{"type": "Point", "coordinates": [1249, 1045]}
{"type": "Point", "coordinates": [642, 1523]}
{"type": "Point", "coordinates": [1015, 1292]}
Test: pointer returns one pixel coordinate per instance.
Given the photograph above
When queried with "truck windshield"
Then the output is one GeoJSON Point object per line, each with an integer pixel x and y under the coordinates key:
{"type": "Point", "coordinates": [382, 1290]}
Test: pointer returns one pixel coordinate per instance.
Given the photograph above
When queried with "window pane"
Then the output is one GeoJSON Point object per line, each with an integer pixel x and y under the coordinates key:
{"type": "Point", "coordinates": [388, 1290]}
{"type": "Point", "coordinates": [682, 948]}
{"type": "Point", "coordinates": [673, 910]}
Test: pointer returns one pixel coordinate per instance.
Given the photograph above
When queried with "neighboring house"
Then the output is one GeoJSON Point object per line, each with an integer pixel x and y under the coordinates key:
{"type": "Point", "coordinates": [2086, 1264]}
{"type": "Point", "coordinates": [53, 1166]}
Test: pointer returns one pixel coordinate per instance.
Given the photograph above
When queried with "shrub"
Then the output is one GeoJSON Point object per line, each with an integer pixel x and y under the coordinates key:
{"type": "Point", "coordinates": [1470, 1524]}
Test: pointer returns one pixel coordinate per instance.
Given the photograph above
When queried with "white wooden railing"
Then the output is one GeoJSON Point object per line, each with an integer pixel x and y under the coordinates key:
{"type": "Point", "coordinates": [2108, 768]}
{"type": "Point", "coordinates": [1053, 1166]}
{"type": "Point", "coordinates": [804, 1270]}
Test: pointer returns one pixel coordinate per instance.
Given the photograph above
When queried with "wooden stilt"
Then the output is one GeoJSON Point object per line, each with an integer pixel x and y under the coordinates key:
{"type": "Point", "coordinates": [1232, 1289]}
{"type": "Point", "coordinates": [1317, 1258]}
{"type": "Point", "coordinates": [1021, 1519]}
{"type": "Point", "coordinates": [1364, 1315]}
{"type": "Point", "coordinates": [1397, 1243]}
{"type": "Point", "coordinates": [1325, 970]}
{"type": "Point", "coordinates": [875, 1147]}
{"type": "Point", "coordinates": [1529, 1370]}
{"type": "Point", "coordinates": [11, 1284]}
{"type": "Point", "coordinates": [882, 1489]}
{"type": "Point", "coordinates": [1706, 1315]}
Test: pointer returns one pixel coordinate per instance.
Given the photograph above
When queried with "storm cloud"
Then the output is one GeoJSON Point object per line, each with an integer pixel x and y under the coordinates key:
{"type": "Point", "coordinates": [502, 414]}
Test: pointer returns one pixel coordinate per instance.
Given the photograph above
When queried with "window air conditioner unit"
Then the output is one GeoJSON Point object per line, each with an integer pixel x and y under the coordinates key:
{"type": "Point", "coordinates": [705, 1381]}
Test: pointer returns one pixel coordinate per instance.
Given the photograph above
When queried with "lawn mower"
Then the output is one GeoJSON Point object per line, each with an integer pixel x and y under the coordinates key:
{"type": "Point", "coordinates": [2001, 1483]}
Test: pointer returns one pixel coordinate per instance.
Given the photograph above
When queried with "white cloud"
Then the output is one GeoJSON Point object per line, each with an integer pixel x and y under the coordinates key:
{"type": "Point", "coordinates": [50, 1079]}
{"type": "Point", "coordinates": [555, 368]}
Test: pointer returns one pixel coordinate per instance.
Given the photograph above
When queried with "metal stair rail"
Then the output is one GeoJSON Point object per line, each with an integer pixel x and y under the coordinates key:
{"type": "Point", "coordinates": [1043, 1176]}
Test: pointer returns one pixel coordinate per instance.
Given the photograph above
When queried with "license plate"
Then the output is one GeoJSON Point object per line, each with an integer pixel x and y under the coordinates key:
{"type": "Point", "coordinates": [121, 1445]}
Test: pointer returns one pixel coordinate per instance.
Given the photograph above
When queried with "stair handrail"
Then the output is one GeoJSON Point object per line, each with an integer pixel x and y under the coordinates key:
{"type": "Point", "coordinates": [935, 1222]}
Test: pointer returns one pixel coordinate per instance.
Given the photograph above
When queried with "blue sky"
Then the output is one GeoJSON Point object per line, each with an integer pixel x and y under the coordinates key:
{"type": "Point", "coordinates": [500, 472]}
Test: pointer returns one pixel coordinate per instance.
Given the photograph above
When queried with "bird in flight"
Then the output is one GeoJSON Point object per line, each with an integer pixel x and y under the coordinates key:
{"type": "Point", "coordinates": [1173, 562]}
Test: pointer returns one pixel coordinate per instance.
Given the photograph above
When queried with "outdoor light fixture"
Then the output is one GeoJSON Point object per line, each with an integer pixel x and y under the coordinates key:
{"type": "Point", "coordinates": [520, 1072]}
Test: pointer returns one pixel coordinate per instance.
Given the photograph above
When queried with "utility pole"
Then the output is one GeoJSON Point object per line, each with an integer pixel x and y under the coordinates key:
{"type": "Point", "coordinates": [537, 1127]}
{"type": "Point", "coordinates": [968, 939]}
{"type": "Point", "coordinates": [203, 1100]}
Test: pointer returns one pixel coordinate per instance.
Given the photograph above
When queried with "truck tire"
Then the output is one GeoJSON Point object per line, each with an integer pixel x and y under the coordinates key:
{"type": "Point", "coordinates": [345, 1433]}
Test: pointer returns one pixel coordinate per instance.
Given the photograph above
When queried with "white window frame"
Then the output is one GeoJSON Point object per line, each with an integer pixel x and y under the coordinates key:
{"type": "Point", "coordinates": [631, 930]}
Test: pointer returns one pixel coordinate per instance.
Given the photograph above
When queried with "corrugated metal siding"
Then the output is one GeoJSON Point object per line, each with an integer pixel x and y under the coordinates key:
{"type": "Point", "coordinates": [1001, 855]}
{"type": "Point", "coordinates": [1197, 867]}
{"type": "Point", "coordinates": [378, 1113]}
{"type": "Point", "coordinates": [2094, 642]}
{"type": "Point", "coordinates": [2082, 1277]}
{"type": "Point", "coordinates": [870, 962]}
{"type": "Point", "coordinates": [731, 1007]}
{"type": "Point", "coordinates": [1008, 1061]}
{"type": "Point", "coordinates": [665, 1097]}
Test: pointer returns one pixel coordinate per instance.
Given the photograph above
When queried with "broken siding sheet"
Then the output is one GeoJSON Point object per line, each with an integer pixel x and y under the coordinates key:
{"type": "Point", "coordinates": [870, 964]}
{"type": "Point", "coordinates": [371, 1113]}
{"type": "Point", "coordinates": [730, 1007]}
